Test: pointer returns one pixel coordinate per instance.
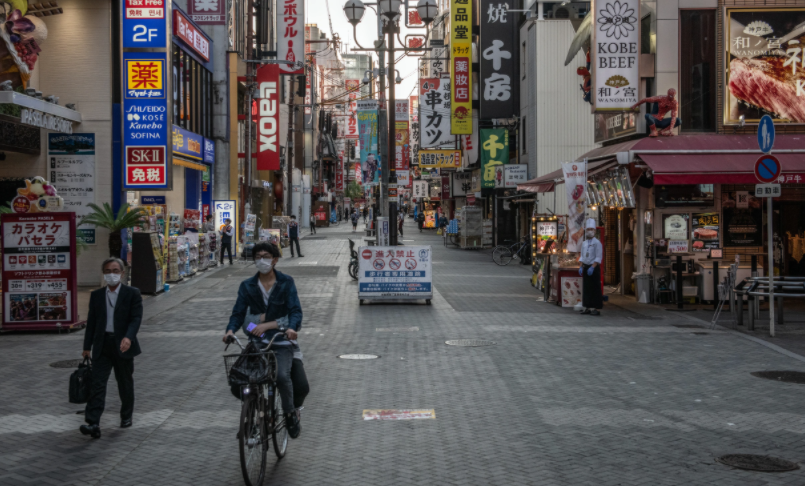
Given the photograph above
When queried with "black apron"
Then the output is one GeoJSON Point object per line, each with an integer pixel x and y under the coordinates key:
{"type": "Point", "coordinates": [591, 297]}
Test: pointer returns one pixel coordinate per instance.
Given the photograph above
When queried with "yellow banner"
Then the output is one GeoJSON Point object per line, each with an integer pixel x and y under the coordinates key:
{"type": "Point", "coordinates": [461, 67]}
{"type": "Point", "coordinates": [443, 159]}
{"type": "Point", "coordinates": [189, 165]}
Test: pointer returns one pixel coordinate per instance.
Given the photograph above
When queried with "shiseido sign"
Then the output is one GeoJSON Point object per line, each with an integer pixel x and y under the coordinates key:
{"type": "Point", "coordinates": [268, 157]}
{"type": "Point", "coordinates": [615, 54]}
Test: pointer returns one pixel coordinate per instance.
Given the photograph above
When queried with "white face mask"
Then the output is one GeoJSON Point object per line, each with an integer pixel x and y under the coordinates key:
{"type": "Point", "coordinates": [112, 279]}
{"type": "Point", "coordinates": [264, 265]}
{"type": "Point", "coordinates": [590, 235]}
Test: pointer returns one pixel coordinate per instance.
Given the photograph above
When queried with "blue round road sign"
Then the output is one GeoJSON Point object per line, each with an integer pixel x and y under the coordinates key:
{"type": "Point", "coordinates": [765, 134]}
{"type": "Point", "coordinates": [768, 169]}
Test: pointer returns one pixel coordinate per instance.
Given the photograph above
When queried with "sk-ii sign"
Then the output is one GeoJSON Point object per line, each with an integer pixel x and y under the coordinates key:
{"type": "Point", "coordinates": [144, 24]}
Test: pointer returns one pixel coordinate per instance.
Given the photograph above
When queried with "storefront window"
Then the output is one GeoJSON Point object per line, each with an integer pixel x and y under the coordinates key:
{"type": "Point", "coordinates": [697, 70]}
{"type": "Point", "coordinates": [192, 88]}
{"type": "Point", "coordinates": [683, 195]}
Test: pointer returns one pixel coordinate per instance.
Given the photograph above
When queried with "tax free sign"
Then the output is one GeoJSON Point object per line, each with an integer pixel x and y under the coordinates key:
{"type": "Point", "coordinates": [146, 87]}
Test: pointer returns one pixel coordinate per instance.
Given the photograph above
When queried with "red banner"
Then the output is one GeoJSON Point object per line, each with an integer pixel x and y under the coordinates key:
{"type": "Point", "coordinates": [401, 145]}
{"type": "Point", "coordinates": [268, 122]}
{"type": "Point", "coordinates": [339, 173]}
{"type": "Point", "coordinates": [186, 31]}
{"type": "Point", "coordinates": [445, 188]}
{"type": "Point", "coordinates": [353, 88]}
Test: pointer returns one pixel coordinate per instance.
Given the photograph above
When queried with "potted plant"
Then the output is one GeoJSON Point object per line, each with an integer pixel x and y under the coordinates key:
{"type": "Point", "coordinates": [104, 217]}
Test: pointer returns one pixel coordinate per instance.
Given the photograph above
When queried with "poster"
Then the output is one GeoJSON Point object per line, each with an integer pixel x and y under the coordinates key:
{"type": "Point", "coordinates": [571, 291]}
{"type": "Point", "coordinates": [494, 154]}
{"type": "Point", "coordinates": [39, 271]}
{"type": "Point", "coordinates": [675, 226]}
{"type": "Point", "coordinates": [764, 67]}
{"type": "Point", "coordinates": [460, 67]}
{"type": "Point", "coordinates": [741, 226]}
{"type": "Point", "coordinates": [705, 231]}
{"type": "Point", "coordinates": [290, 22]}
{"type": "Point", "coordinates": [72, 170]}
{"type": "Point", "coordinates": [575, 175]}
{"type": "Point", "coordinates": [402, 145]}
{"type": "Point", "coordinates": [546, 230]}
{"type": "Point", "coordinates": [396, 272]}
{"type": "Point", "coordinates": [609, 126]}
{"type": "Point", "coordinates": [499, 59]}
{"type": "Point", "coordinates": [367, 135]}
{"type": "Point", "coordinates": [434, 114]}
{"type": "Point", "coordinates": [615, 54]}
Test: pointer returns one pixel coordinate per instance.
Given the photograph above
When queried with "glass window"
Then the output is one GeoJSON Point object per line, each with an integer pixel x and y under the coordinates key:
{"type": "Point", "coordinates": [697, 75]}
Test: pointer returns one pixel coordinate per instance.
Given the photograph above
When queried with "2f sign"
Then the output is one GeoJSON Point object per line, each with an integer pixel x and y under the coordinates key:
{"type": "Point", "coordinates": [268, 121]}
{"type": "Point", "coordinates": [144, 24]}
{"type": "Point", "coordinates": [143, 34]}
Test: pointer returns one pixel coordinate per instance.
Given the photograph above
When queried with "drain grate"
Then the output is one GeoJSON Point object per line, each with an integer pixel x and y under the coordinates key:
{"type": "Point", "coordinates": [469, 342]}
{"type": "Point", "coordinates": [68, 363]}
{"type": "Point", "coordinates": [753, 462]}
{"type": "Point", "coordinates": [784, 376]}
{"type": "Point", "coordinates": [359, 356]}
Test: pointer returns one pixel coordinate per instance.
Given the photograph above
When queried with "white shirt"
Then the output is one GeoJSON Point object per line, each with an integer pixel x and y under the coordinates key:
{"type": "Point", "coordinates": [111, 301]}
{"type": "Point", "coordinates": [591, 252]}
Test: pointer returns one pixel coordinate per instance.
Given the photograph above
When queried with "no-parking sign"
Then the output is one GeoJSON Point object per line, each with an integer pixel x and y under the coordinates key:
{"type": "Point", "coordinates": [395, 272]}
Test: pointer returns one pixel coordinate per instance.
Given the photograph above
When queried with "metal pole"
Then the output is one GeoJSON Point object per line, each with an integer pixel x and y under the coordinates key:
{"type": "Point", "coordinates": [289, 154]}
{"type": "Point", "coordinates": [392, 186]}
{"type": "Point", "coordinates": [249, 79]}
{"type": "Point", "coordinates": [715, 285]}
{"type": "Point", "coordinates": [382, 144]}
{"type": "Point", "coordinates": [771, 266]}
{"type": "Point", "coordinates": [679, 281]}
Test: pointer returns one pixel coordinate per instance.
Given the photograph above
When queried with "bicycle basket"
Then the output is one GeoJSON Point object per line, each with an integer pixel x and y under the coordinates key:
{"type": "Point", "coordinates": [250, 368]}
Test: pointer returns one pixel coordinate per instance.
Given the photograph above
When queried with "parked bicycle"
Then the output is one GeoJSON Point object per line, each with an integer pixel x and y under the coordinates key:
{"type": "Point", "coordinates": [261, 414]}
{"type": "Point", "coordinates": [503, 254]}
{"type": "Point", "coordinates": [353, 260]}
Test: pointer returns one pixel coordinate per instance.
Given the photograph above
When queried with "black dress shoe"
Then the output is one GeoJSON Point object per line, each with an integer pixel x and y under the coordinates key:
{"type": "Point", "coordinates": [91, 430]}
{"type": "Point", "coordinates": [586, 311]}
{"type": "Point", "coordinates": [301, 256]}
{"type": "Point", "coordinates": [595, 313]}
{"type": "Point", "coordinates": [124, 424]}
{"type": "Point", "coordinates": [293, 425]}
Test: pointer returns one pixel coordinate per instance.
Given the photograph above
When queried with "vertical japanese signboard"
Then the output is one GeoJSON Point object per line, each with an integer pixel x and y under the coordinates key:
{"type": "Point", "coordinates": [395, 272]}
{"type": "Point", "coordinates": [39, 271]}
{"type": "Point", "coordinates": [434, 113]}
{"type": "Point", "coordinates": [353, 89]}
{"type": "Point", "coordinates": [290, 22]}
{"type": "Point", "coordinates": [413, 118]}
{"type": "Point", "coordinates": [367, 132]}
{"type": "Point", "coordinates": [268, 122]}
{"type": "Point", "coordinates": [71, 160]}
{"type": "Point", "coordinates": [494, 154]}
{"type": "Point", "coordinates": [339, 173]}
{"type": "Point", "coordinates": [461, 67]}
{"type": "Point", "coordinates": [615, 54]}
{"type": "Point", "coordinates": [438, 58]}
{"type": "Point", "coordinates": [145, 84]}
{"type": "Point", "coordinates": [401, 145]}
{"type": "Point", "coordinates": [499, 60]}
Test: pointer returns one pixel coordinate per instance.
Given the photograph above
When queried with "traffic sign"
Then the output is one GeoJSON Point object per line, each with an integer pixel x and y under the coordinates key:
{"type": "Point", "coordinates": [765, 134]}
{"type": "Point", "coordinates": [768, 168]}
{"type": "Point", "coordinates": [767, 190]}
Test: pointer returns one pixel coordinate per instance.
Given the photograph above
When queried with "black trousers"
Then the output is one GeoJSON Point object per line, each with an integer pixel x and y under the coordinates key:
{"type": "Point", "coordinates": [313, 228]}
{"type": "Point", "coordinates": [298, 250]}
{"type": "Point", "coordinates": [226, 245]}
{"type": "Point", "coordinates": [124, 375]}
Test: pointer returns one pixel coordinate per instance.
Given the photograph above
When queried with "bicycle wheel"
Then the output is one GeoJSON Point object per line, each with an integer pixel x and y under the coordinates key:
{"type": "Point", "coordinates": [353, 270]}
{"type": "Point", "coordinates": [502, 255]}
{"type": "Point", "coordinates": [252, 443]}
{"type": "Point", "coordinates": [279, 434]}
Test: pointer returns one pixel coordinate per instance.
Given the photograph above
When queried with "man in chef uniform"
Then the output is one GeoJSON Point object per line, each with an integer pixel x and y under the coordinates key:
{"type": "Point", "coordinates": [590, 258]}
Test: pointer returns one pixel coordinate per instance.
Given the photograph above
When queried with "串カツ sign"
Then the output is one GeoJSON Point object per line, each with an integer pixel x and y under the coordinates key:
{"type": "Point", "coordinates": [268, 156]}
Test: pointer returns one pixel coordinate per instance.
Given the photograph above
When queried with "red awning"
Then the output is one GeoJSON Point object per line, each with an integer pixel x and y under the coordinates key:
{"type": "Point", "coordinates": [714, 168]}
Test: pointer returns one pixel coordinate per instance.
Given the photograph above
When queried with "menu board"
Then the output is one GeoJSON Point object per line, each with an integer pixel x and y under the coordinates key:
{"type": "Point", "coordinates": [546, 230]}
{"type": "Point", "coordinates": [742, 226]}
{"type": "Point", "coordinates": [39, 271]}
{"type": "Point", "coordinates": [705, 231]}
{"type": "Point", "coordinates": [675, 226]}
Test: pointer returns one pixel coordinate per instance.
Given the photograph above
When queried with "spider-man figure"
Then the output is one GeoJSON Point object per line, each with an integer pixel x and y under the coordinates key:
{"type": "Point", "coordinates": [655, 119]}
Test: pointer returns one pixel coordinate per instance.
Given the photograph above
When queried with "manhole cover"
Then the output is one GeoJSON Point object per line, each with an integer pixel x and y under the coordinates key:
{"type": "Point", "coordinates": [469, 342]}
{"type": "Point", "coordinates": [785, 376]}
{"type": "Point", "coordinates": [68, 363]}
{"type": "Point", "coordinates": [752, 462]}
{"type": "Point", "coordinates": [359, 356]}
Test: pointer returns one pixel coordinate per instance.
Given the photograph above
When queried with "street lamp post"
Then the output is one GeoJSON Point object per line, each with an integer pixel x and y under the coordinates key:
{"type": "Point", "coordinates": [390, 9]}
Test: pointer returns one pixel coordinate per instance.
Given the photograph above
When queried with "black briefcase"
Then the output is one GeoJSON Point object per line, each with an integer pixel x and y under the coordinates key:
{"type": "Point", "coordinates": [81, 382]}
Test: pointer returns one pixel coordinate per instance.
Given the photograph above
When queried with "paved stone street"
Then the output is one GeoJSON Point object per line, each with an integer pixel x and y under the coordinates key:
{"type": "Point", "coordinates": [624, 399]}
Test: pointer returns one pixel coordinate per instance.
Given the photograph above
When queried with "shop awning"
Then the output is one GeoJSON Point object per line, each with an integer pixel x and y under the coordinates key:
{"type": "Point", "coordinates": [188, 164]}
{"type": "Point", "coordinates": [548, 182]}
{"type": "Point", "coordinates": [715, 168]}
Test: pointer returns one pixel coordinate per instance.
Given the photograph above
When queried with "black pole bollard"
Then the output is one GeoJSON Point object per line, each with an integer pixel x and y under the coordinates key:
{"type": "Point", "coordinates": [754, 265]}
{"type": "Point", "coordinates": [715, 285]}
{"type": "Point", "coordinates": [679, 281]}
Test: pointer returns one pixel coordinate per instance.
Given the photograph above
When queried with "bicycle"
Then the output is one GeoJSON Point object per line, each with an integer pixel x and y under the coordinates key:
{"type": "Point", "coordinates": [353, 260]}
{"type": "Point", "coordinates": [503, 255]}
{"type": "Point", "coordinates": [261, 412]}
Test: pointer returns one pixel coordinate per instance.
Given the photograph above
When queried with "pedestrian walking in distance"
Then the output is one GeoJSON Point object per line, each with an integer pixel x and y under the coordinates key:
{"type": "Point", "coordinates": [110, 339]}
{"type": "Point", "coordinates": [401, 220]}
{"type": "Point", "coordinates": [590, 270]}
{"type": "Point", "coordinates": [226, 240]}
{"type": "Point", "coordinates": [312, 224]}
{"type": "Point", "coordinates": [420, 220]}
{"type": "Point", "coordinates": [293, 236]}
{"type": "Point", "coordinates": [209, 225]}
{"type": "Point", "coordinates": [365, 214]}
{"type": "Point", "coordinates": [354, 221]}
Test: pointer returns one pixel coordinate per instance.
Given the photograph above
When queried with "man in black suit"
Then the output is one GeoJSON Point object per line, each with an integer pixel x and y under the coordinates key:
{"type": "Point", "coordinates": [115, 312]}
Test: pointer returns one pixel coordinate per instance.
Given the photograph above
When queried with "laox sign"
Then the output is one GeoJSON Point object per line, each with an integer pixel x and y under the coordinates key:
{"type": "Point", "coordinates": [268, 157]}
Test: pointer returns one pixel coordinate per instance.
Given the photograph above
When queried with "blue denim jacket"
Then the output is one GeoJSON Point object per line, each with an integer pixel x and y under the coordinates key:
{"type": "Point", "coordinates": [283, 301]}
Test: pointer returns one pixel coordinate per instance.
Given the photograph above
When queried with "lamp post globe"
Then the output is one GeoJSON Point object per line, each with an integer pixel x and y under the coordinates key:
{"type": "Point", "coordinates": [389, 8]}
{"type": "Point", "coordinates": [427, 10]}
{"type": "Point", "coordinates": [354, 11]}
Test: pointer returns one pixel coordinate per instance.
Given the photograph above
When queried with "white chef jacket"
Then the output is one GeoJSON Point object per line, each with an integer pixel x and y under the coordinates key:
{"type": "Point", "coordinates": [591, 252]}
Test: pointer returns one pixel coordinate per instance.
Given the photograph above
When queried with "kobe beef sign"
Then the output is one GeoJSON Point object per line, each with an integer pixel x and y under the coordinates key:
{"type": "Point", "coordinates": [615, 54]}
{"type": "Point", "coordinates": [765, 72]}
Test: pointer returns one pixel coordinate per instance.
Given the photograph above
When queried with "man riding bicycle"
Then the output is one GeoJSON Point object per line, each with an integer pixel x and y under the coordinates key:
{"type": "Point", "coordinates": [273, 295]}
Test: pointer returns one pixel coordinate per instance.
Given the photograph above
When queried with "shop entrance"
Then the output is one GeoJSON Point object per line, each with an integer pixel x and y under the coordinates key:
{"type": "Point", "coordinates": [612, 268]}
{"type": "Point", "coordinates": [790, 238]}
